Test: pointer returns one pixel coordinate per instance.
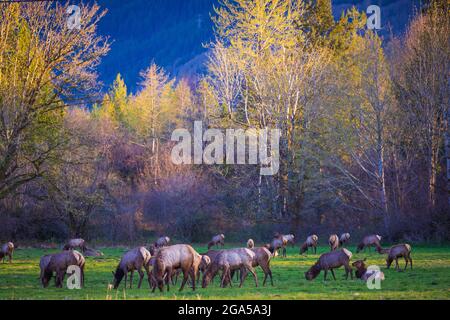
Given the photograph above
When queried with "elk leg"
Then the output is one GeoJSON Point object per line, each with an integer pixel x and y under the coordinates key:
{"type": "Point", "coordinates": [185, 279]}
{"type": "Point", "coordinates": [175, 279]}
{"type": "Point", "coordinates": [406, 265]}
{"type": "Point", "coordinates": [332, 273]}
{"type": "Point", "coordinates": [169, 278]}
{"type": "Point", "coordinates": [244, 275]}
{"type": "Point", "coordinates": [250, 268]}
{"type": "Point", "coordinates": [230, 278]}
{"type": "Point", "coordinates": [141, 277]}
{"type": "Point", "coordinates": [284, 252]}
{"type": "Point", "coordinates": [410, 261]}
{"type": "Point", "coordinates": [131, 279]}
{"type": "Point", "coordinates": [224, 275]}
{"type": "Point", "coordinates": [194, 274]}
{"type": "Point", "coordinates": [325, 275]}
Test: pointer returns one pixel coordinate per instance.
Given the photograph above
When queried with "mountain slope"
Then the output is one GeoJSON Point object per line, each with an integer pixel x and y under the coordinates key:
{"type": "Point", "coordinates": [172, 33]}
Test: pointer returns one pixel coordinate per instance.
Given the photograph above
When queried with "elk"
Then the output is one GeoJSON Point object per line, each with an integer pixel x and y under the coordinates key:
{"type": "Point", "coordinates": [398, 251]}
{"type": "Point", "coordinates": [369, 241]}
{"type": "Point", "coordinates": [311, 242]}
{"type": "Point", "coordinates": [364, 274]}
{"type": "Point", "coordinates": [250, 244]}
{"type": "Point", "coordinates": [7, 250]}
{"type": "Point", "coordinates": [345, 238]}
{"type": "Point", "coordinates": [231, 260]}
{"type": "Point", "coordinates": [162, 242]}
{"type": "Point", "coordinates": [58, 263]}
{"type": "Point", "coordinates": [76, 243]}
{"type": "Point", "coordinates": [262, 259]}
{"type": "Point", "coordinates": [201, 262]}
{"type": "Point", "coordinates": [167, 259]}
{"type": "Point", "coordinates": [330, 261]}
{"type": "Point", "coordinates": [333, 241]}
{"type": "Point", "coordinates": [216, 240]}
{"type": "Point", "coordinates": [45, 276]}
{"type": "Point", "coordinates": [93, 253]}
{"type": "Point", "coordinates": [289, 238]}
{"type": "Point", "coordinates": [132, 260]}
{"type": "Point", "coordinates": [276, 244]}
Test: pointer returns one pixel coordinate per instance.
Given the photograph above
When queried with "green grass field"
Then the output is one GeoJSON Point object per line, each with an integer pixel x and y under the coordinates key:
{"type": "Point", "coordinates": [430, 279]}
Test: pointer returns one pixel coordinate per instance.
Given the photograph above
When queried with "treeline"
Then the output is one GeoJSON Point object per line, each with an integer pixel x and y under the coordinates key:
{"type": "Point", "coordinates": [364, 124]}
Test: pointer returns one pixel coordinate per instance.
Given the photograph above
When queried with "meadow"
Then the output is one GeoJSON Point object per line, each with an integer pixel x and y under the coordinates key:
{"type": "Point", "coordinates": [429, 279]}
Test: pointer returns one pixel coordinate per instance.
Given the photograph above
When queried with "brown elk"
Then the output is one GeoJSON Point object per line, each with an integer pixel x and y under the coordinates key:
{"type": "Point", "coordinates": [216, 240]}
{"type": "Point", "coordinates": [330, 261]}
{"type": "Point", "coordinates": [93, 253]}
{"type": "Point", "coordinates": [364, 274]}
{"type": "Point", "coordinates": [311, 242]}
{"type": "Point", "coordinates": [276, 244]}
{"type": "Point", "coordinates": [262, 259]}
{"type": "Point", "coordinates": [171, 258]}
{"type": "Point", "coordinates": [231, 260]}
{"type": "Point", "coordinates": [333, 241]}
{"type": "Point", "coordinates": [59, 263]}
{"type": "Point", "coordinates": [398, 251]}
{"type": "Point", "coordinates": [45, 275]}
{"type": "Point", "coordinates": [368, 242]}
{"type": "Point", "coordinates": [76, 244]}
{"type": "Point", "coordinates": [344, 239]}
{"type": "Point", "coordinates": [162, 242]}
{"type": "Point", "coordinates": [131, 261]}
{"type": "Point", "coordinates": [7, 250]}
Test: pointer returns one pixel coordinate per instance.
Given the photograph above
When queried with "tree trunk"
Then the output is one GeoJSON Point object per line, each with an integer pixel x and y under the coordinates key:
{"type": "Point", "coordinates": [447, 152]}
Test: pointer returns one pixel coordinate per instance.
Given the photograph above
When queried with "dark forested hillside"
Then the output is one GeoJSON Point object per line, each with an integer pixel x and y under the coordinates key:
{"type": "Point", "coordinates": [171, 33]}
{"type": "Point", "coordinates": [168, 32]}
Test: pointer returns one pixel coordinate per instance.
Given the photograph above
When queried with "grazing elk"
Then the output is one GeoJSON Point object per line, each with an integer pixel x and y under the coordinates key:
{"type": "Point", "coordinates": [364, 274]}
{"type": "Point", "coordinates": [204, 264]}
{"type": "Point", "coordinates": [201, 262]}
{"type": "Point", "coordinates": [162, 242]}
{"type": "Point", "coordinates": [330, 261]}
{"type": "Point", "coordinates": [289, 238]}
{"type": "Point", "coordinates": [333, 241]}
{"type": "Point", "coordinates": [216, 240]}
{"type": "Point", "coordinates": [76, 244]}
{"type": "Point", "coordinates": [398, 251]}
{"type": "Point", "coordinates": [93, 253]}
{"type": "Point", "coordinates": [276, 244]}
{"type": "Point", "coordinates": [344, 239]}
{"type": "Point", "coordinates": [7, 250]}
{"type": "Point", "coordinates": [368, 242]}
{"type": "Point", "coordinates": [45, 275]}
{"type": "Point", "coordinates": [167, 259]}
{"type": "Point", "coordinates": [58, 263]}
{"type": "Point", "coordinates": [262, 259]}
{"type": "Point", "coordinates": [250, 244]}
{"type": "Point", "coordinates": [311, 242]}
{"type": "Point", "coordinates": [131, 261]}
{"type": "Point", "coordinates": [231, 260]}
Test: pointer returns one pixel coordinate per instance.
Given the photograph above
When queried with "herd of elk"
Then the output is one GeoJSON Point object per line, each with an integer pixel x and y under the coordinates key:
{"type": "Point", "coordinates": [163, 262]}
